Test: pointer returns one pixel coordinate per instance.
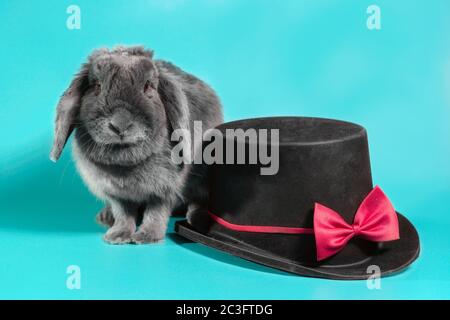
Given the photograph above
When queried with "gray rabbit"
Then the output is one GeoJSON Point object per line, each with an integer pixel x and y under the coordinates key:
{"type": "Point", "coordinates": [124, 107]}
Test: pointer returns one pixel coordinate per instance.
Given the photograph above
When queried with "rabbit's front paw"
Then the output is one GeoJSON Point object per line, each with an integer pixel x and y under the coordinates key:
{"type": "Point", "coordinates": [118, 235]}
{"type": "Point", "coordinates": [147, 236]}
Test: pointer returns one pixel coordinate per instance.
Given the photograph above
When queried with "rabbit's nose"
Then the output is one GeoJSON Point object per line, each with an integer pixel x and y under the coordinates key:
{"type": "Point", "coordinates": [115, 129]}
{"type": "Point", "coordinates": [119, 124]}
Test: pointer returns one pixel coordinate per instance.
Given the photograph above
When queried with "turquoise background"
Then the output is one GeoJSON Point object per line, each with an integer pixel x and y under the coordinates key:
{"type": "Point", "coordinates": [312, 58]}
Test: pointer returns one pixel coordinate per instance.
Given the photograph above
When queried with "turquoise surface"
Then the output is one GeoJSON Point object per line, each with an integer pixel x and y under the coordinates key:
{"type": "Point", "coordinates": [312, 58]}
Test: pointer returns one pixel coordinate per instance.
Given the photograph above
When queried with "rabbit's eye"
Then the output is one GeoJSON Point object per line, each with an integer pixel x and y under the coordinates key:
{"type": "Point", "coordinates": [146, 86]}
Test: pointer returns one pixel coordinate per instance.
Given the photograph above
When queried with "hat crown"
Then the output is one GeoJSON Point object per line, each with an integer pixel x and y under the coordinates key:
{"type": "Point", "coordinates": [320, 160]}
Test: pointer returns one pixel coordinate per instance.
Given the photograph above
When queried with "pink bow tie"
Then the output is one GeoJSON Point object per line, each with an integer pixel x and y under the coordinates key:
{"type": "Point", "coordinates": [375, 220]}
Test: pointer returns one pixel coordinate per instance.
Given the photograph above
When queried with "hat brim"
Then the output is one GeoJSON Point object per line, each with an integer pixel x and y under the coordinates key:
{"type": "Point", "coordinates": [395, 256]}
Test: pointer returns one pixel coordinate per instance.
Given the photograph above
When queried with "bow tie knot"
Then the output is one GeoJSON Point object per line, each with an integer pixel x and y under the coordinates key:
{"type": "Point", "coordinates": [375, 220]}
{"type": "Point", "coordinates": [356, 229]}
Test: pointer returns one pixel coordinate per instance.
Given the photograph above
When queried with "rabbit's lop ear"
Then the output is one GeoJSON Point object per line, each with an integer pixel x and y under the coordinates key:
{"type": "Point", "coordinates": [177, 108]}
{"type": "Point", "coordinates": [67, 112]}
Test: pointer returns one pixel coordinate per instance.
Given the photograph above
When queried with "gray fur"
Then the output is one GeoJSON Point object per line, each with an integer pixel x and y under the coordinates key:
{"type": "Point", "coordinates": [122, 141]}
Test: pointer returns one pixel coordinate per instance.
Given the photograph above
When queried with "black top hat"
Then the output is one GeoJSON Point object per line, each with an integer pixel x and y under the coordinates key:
{"type": "Point", "coordinates": [302, 218]}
